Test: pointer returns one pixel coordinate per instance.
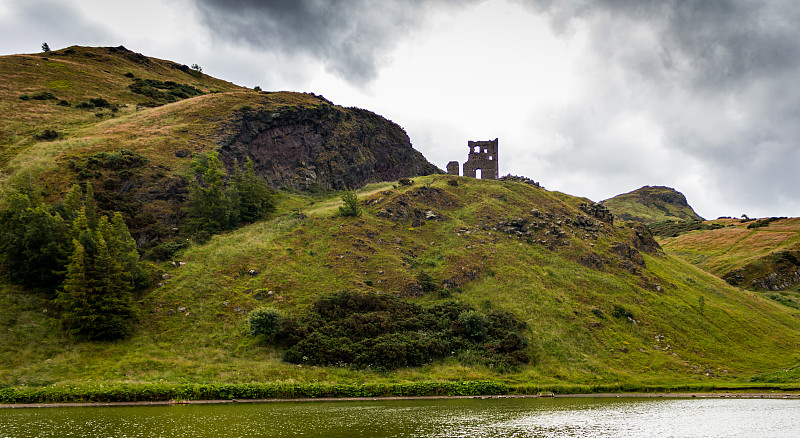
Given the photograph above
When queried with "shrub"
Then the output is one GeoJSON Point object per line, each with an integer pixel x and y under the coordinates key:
{"type": "Point", "coordinates": [351, 205]}
{"type": "Point", "coordinates": [24, 97]}
{"type": "Point", "coordinates": [405, 182]}
{"type": "Point", "coordinates": [63, 102]}
{"type": "Point", "coordinates": [474, 325]}
{"type": "Point", "coordinates": [84, 105]}
{"type": "Point", "coordinates": [621, 312]}
{"type": "Point", "coordinates": [45, 47]}
{"type": "Point", "coordinates": [264, 322]}
{"type": "Point", "coordinates": [384, 331]}
{"type": "Point", "coordinates": [427, 282]}
{"type": "Point", "coordinates": [47, 134]}
{"type": "Point", "coordinates": [99, 102]}
{"type": "Point", "coordinates": [43, 95]}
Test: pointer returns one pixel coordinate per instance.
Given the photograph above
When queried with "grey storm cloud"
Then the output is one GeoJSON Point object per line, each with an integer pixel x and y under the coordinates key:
{"type": "Point", "coordinates": [352, 39]}
{"type": "Point", "coordinates": [50, 21]}
{"type": "Point", "coordinates": [719, 78]}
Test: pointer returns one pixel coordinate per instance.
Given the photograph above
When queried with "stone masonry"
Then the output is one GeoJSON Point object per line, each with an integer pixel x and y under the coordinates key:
{"type": "Point", "coordinates": [482, 157]}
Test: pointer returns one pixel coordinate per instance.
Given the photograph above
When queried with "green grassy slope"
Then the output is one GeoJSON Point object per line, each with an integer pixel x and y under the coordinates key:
{"type": "Point", "coordinates": [76, 75]}
{"type": "Point", "coordinates": [762, 254]}
{"type": "Point", "coordinates": [651, 204]}
{"type": "Point", "coordinates": [564, 279]}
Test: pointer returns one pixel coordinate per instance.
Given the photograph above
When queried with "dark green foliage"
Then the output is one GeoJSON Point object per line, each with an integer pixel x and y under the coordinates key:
{"type": "Point", "coordinates": [84, 105]}
{"type": "Point", "coordinates": [255, 197]}
{"type": "Point", "coordinates": [384, 331]}
{"type": "Point", "coordinates": [34, 242]}
{"type": "Point", "coordinates": [99, 102]}
{"type": "Point", "coordinates": [163, 92]}
{"type": "Point", "coordinates": [45, 47]}
{"type": "Point", "coordinates": [43, 95]}
{"type": "Point", "coordinates": [47, 134]}
{"type": "Point", "coordinates": [763, 222]}
{"type": "Point", "coordinates": [63, 102]}
{"type": "Point", "coordinates": [166, 250]}
{"type": "Point", "coordinates": [264, 322]}
{"type": "Point", "coordinates": [351, 205]}
{"type": "Point", "coordinates": [129, 75]}
{"type": "Point", "coordinates": [216, 205]}
{"type": "Point", "coordinates": [427, 282]}
{"type": "Point", "coordinates": [212, 206]}
{"type": "Point", "coordinates": [405, 182]}
{"type": "Point", "coordinates": [96, 300]}
{"type": "Point", "coordinates": [676, 228]}
{"type": "Point", "coordinates": [621, 312]}
{"type": "Point", "coordinates": [474, 325]}
{"type": "Point", "coordinates": [94, 260]}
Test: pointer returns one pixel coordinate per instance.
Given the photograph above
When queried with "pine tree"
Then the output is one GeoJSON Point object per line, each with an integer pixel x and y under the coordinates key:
{"type": "Point", "coordinates": [34, 243]}
{"type": "Point", "coordinates": [255, 198]}
{"type": "Point", "coordinates": [96, 300]}
{"type": "Point", "coordinates": [209, 204]}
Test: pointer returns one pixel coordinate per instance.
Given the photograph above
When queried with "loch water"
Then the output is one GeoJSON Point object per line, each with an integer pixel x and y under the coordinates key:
{"type": "Point", "coordinates": [472, 417]}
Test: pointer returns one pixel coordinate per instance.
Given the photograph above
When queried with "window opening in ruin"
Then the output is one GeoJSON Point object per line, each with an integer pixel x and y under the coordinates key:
{"type": "Point", "coordinates": [491, 158]}
{"type": "Point", "coordinates": [486, 151]}
{"type": "Point", "coordinates": [477, 149]}
{"type": "Point", "coordinates": [478, 173]}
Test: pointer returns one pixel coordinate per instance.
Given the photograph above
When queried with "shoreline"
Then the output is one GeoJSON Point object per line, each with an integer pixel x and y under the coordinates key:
{"type": "Point", "coordinates": [687, 395]}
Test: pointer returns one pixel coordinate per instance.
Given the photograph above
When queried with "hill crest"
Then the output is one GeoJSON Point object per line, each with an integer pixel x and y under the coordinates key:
{"type": "Point", "coordinates": [651, 204]}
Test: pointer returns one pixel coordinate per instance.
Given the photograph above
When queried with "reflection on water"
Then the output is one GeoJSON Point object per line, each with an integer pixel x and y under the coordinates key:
{"type": "Point", "coordinates": [553, 417]}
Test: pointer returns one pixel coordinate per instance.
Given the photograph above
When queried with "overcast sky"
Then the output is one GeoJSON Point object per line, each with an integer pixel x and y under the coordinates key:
{"type": "Point", "coordinates": [589, 97]}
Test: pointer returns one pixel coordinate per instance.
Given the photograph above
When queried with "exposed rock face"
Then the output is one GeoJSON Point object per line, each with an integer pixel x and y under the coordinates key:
{"type": "Point", "coordinates": [774, 272]}
{"type": "Point", "coordinates": [322, 146]}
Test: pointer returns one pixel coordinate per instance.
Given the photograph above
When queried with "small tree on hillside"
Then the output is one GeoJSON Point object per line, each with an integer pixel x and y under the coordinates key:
{"type": "Point", "coordinates": [351, 205]}
{"type": "Point", "coordinates": [45, 47]}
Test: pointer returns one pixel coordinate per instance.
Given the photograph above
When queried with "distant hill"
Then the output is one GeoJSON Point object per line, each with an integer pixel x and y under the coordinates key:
{"type": "Point", "coordinates": [761, 254]}
{"type": "Point", "coordinates": [651, 204]}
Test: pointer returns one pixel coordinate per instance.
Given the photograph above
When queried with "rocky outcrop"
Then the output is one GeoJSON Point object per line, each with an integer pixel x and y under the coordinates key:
{"type": "Point", "coordinates": [773, 272]}
{"type": "Point", "coordinates": [322, 146]}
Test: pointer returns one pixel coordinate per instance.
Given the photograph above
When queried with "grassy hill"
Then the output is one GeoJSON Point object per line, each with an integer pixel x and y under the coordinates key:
{"type": "Point", "coordinates": [63, 112]}
{"type": "Point", "coordinates": [601, 301]}
{"type": "Point", "coordinates": [567, 279]}
{"type": "Point", "coordinates": [761, 254]}
{"type": "Point", "coordinates": [651, 204]}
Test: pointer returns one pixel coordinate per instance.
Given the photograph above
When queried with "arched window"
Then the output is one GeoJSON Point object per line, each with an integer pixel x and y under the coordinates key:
{"type": "Point", "coordinates": [478, 173]}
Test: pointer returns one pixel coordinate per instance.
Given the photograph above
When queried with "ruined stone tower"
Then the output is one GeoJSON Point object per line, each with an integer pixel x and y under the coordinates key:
{"type": "Point", "coordinates": [482, 158]}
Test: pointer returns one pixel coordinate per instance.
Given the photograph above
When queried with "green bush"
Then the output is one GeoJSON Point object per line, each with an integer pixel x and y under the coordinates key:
{"type": "Point", "coordinates": [264, 322]}
{"type": "Point", "coordinates": [621, 312]}
{"type": "Point", "coordinates": [384, 331]}
{"type": "Point", "coordinates": [43, 95]}
{"type": "Point", "coordinates": [351, 205]}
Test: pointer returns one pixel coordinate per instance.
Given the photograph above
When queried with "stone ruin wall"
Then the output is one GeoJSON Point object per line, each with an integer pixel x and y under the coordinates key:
{"type": "Point", "coordinates": [482, 156]}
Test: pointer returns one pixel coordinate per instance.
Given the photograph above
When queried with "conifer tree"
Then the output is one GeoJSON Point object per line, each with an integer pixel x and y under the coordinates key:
{"type": "Point", "coordinates": [209, 205]}
{"type": "Point", "coordinates": [255, 198]}
{"type": "Point", "coordinates": [96, 300]}
{"type": "Point", "coordinates": [34, 242]}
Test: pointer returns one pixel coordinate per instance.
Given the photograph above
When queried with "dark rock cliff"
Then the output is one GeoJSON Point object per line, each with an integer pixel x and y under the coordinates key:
{"type": "Point", "coordinates": [321, 146]}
